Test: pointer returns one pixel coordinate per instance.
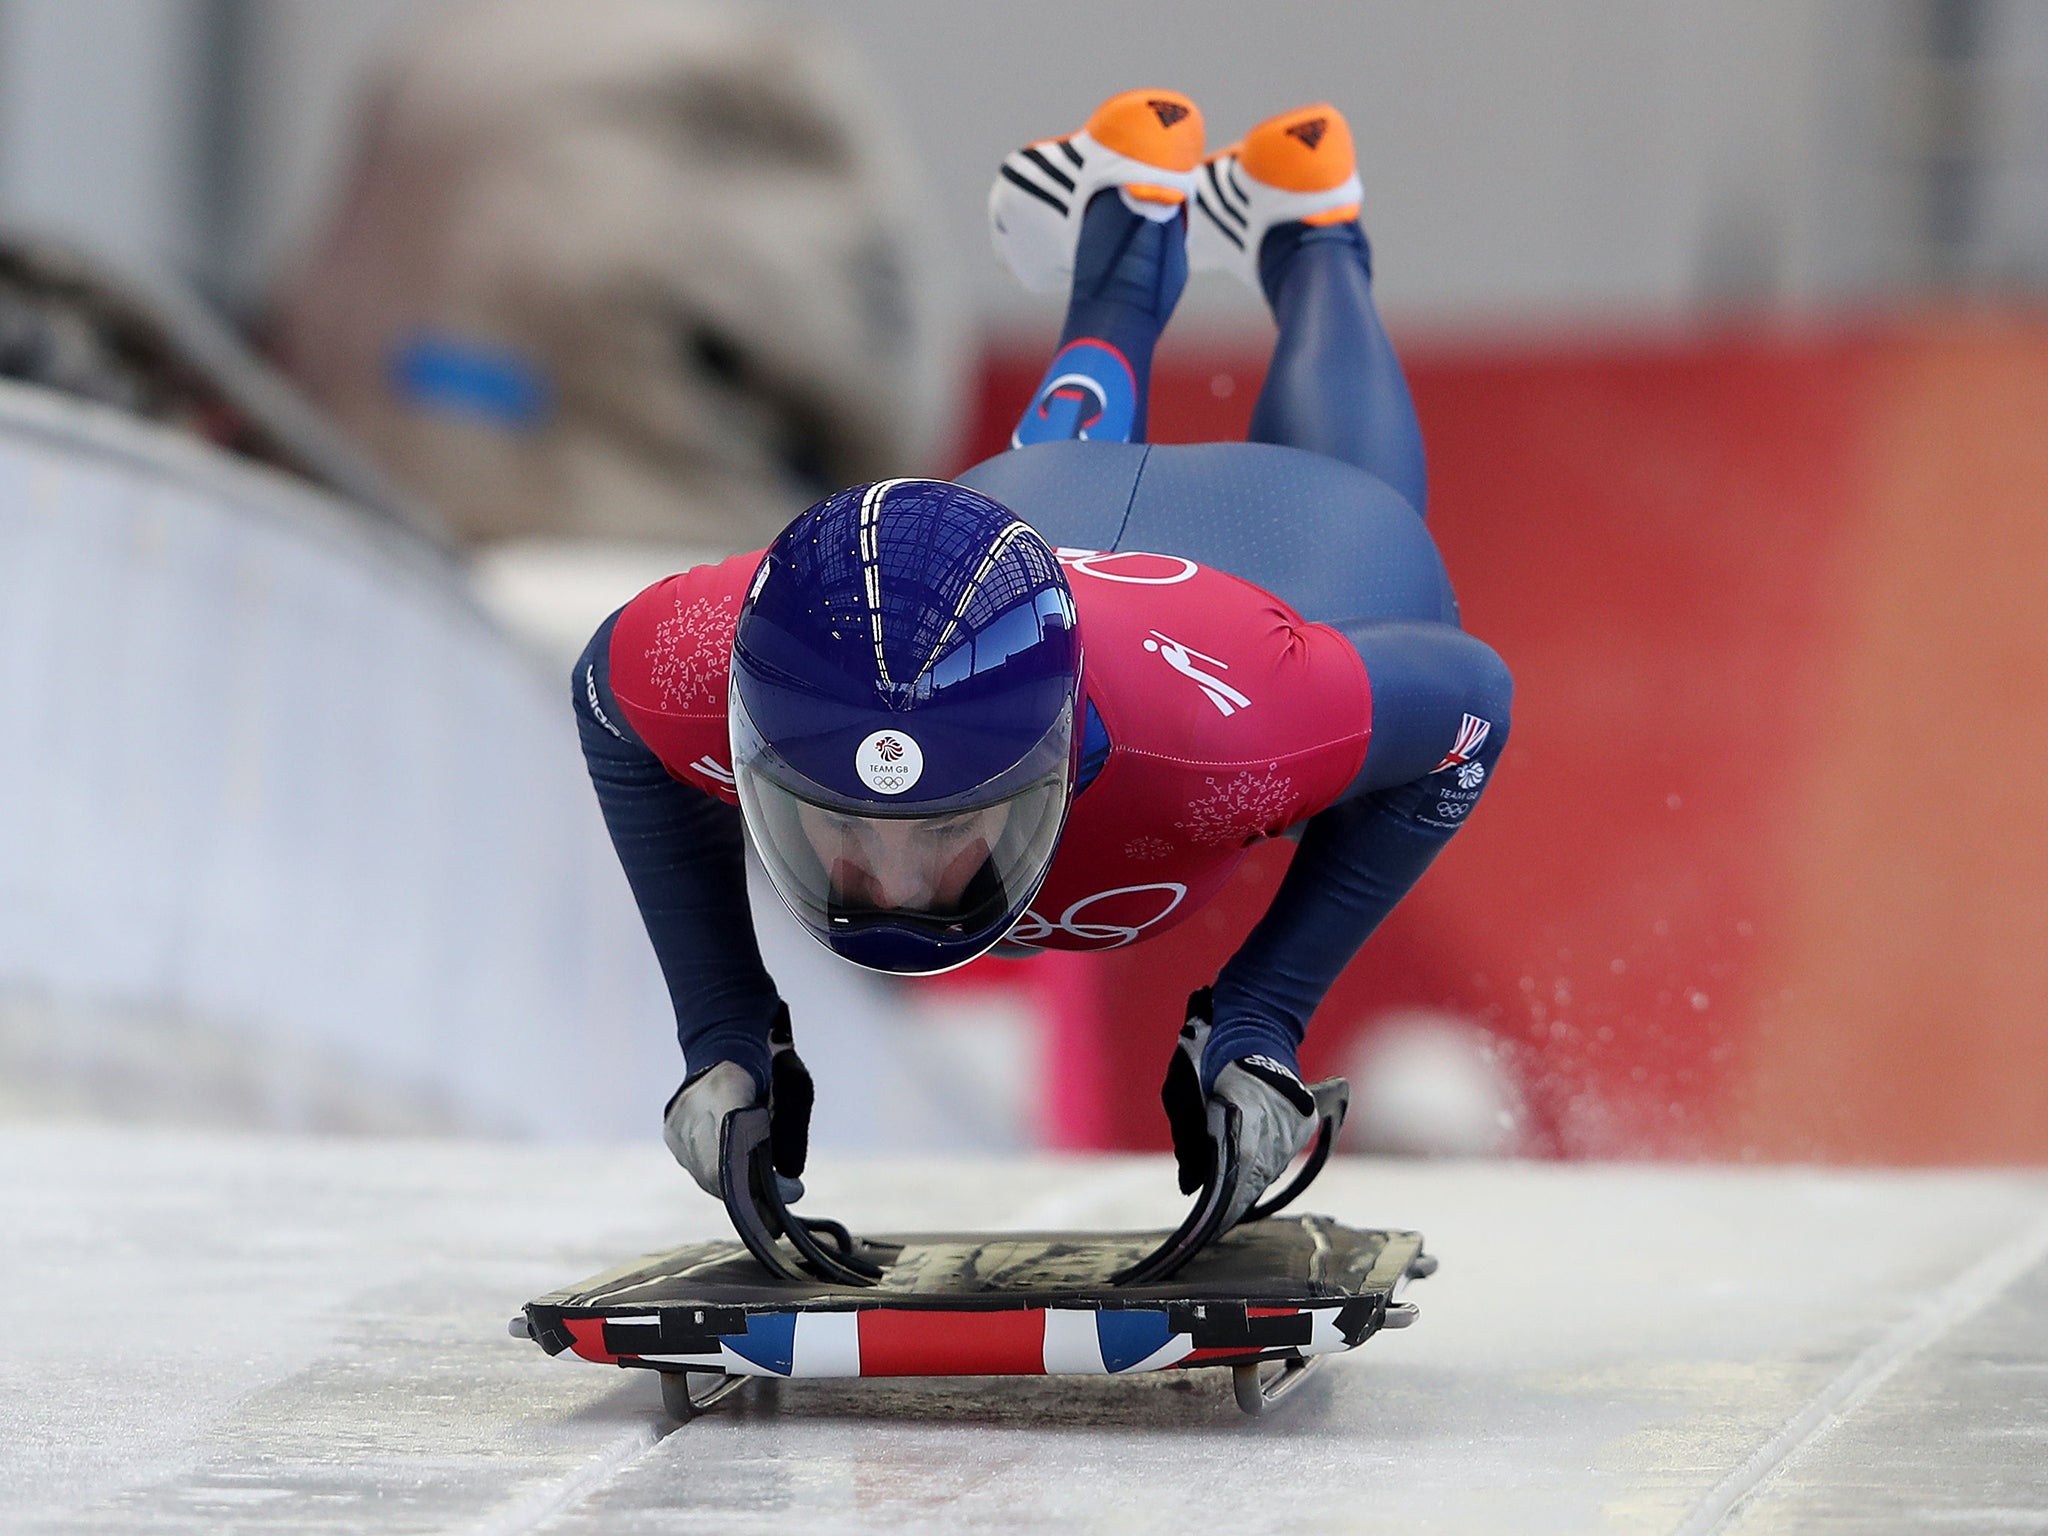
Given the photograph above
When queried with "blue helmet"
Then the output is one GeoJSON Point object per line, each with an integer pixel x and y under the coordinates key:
{"type": "Point", "coordinates": [906, 682]}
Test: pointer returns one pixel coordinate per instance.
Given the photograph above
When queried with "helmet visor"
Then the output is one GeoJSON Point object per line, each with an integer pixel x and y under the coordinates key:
{"type": "Point", "coordinates": [917, 889]}
{"type": "Point", "coordinates": [960, 877]}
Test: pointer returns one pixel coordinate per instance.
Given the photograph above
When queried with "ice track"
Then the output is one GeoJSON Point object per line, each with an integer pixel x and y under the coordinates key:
{"type": "Point", "coordinates": [242, 1334]}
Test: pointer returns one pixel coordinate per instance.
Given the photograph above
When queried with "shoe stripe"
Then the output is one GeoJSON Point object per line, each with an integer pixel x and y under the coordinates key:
{"type": "Point", "coordinates": [1237, 186]}
{"type": "Point", "coordinates": [1222, 198]}
{"type": "Point", "coordinates": [1072, 154]}
{"type": "Point", "coordinates": [1049, 168]}
{"type": "Point", "coordinates": [1228, 233]}
{"type": "Point", "coordinates": [1035, 190]}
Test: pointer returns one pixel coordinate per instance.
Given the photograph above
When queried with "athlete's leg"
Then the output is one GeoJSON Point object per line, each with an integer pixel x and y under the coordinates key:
{"type": "Point", "coordinates": [1128, 274]}
{"type": "Point", "coordinates": [1102, 214]}
{"type": "Point", "coordinates": [1334, 385]}
{"type": "Point", "coordinates": [1281, 210]}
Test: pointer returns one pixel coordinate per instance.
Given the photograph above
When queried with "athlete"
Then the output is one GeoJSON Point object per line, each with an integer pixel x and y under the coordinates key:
{"type": "Point", "coordinates": [1052, 704]}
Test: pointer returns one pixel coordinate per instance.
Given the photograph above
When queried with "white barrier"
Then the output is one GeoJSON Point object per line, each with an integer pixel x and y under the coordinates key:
{"type": "Point", "coordinates": [265, 770]}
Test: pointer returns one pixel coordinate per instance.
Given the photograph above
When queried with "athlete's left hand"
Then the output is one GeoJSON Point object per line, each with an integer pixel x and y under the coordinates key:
{"type": "Point", "coordinates": [693, 1122]}
{"type": "Point", "coordinates": [1276, 1114]}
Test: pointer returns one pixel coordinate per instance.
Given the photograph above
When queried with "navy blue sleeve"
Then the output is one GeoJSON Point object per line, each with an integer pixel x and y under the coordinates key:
{"type": "Point", "coordinates": [684, 856]}
{"type": "Point", "coordinates": [1441, 708]}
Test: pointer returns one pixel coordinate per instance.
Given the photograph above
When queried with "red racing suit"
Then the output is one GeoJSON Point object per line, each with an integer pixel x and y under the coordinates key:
{"type": "Point", "coordinates": [1229, 718]}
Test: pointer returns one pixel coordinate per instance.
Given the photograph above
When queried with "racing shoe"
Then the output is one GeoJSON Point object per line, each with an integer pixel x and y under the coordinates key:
{"type": "Point", "coordinates": [1145, 144]}
{"type": "Point", "coordinates": [1297, 167]}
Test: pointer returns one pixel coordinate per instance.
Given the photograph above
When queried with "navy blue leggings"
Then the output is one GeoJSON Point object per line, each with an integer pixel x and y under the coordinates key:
{"type": "Point", "coordinates": [1324, 507]}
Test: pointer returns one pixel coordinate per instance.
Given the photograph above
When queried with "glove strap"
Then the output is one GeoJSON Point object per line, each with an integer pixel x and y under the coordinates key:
{"type": "Point", "coordinates": [746, 1180]}
{"type": "Point", "coordinates": [1332, 1102]}
{"type": "Point", "coordinates": [1204, 1224]}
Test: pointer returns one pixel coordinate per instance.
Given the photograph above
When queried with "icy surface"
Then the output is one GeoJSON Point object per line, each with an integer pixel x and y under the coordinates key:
{"type": "Point", "coordinates": [242, 1334]}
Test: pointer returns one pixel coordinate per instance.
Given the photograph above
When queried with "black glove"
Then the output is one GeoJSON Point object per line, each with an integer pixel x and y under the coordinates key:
{"type": "Point", "coordinates": [790, 1097]}
{"type": "Point", "coordinates": [1276, 1113]}
{"type": "Point", "coordinates": [694, 1118]}
{"type": "Point", "coordinates": [1187, 1114]}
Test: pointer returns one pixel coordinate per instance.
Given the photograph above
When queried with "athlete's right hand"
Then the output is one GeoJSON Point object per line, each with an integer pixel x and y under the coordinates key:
{"type": "Point", "coordinates": [696, 1114]}
{"type": "Point", "coordinates": [694, 1120]}
{"type": "Point", "coordinates": [1276, 1113]}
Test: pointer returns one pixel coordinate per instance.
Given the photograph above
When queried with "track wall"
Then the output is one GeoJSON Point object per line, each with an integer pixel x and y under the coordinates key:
{"type": "Point", "coordinates": [267, 776]}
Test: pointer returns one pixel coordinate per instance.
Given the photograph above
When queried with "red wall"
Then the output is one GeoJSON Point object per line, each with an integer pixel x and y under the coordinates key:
{"type": "Point", "coordinates": [1772, 602]}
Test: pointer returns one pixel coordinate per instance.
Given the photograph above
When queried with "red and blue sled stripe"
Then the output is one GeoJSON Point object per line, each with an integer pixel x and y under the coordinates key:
{"type": "Point", "coordinates": [924, 1341]}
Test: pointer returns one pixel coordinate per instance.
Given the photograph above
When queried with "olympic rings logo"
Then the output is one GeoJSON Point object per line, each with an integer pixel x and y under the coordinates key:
{"type": "Point", "coordinates": [1033, 929]}
{"type": "Point", "coordinates": [1094, 562]}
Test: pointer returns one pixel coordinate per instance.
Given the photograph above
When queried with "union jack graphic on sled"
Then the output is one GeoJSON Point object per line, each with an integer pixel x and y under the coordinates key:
{"type": "Point", "coordinates": [1280, 1293]}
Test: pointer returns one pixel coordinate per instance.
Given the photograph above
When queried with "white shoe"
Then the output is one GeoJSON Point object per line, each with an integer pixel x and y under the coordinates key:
{"type": "Point", "coordinates": [1147, 144]}
{"type": "Point", "coordinates": [1300, 166]}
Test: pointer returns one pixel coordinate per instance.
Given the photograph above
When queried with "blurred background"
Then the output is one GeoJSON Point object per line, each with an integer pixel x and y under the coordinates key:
{"type": "Point", "coordinates": [356, 360]}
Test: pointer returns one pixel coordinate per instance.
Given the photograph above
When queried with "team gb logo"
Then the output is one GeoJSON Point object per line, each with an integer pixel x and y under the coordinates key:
{"type": "Point", "coordinates": [889, 762]}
